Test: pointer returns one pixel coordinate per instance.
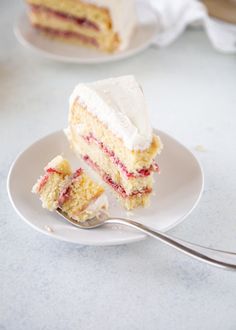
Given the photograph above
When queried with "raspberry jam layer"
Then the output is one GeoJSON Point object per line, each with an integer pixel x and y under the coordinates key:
{"type": "Point", "coordinates": [77, 173]}
{"type": "Point", "coordinates": [144, 172]}
{"type": "Point", "coordinates": [66, 190]}
{"type": "Point", "coordinates": [107, 178]}
{"type": "Point", "coordinates": [82, 21]}
{"type": "Point", "coordinates": [45, 178]}
{"type": "Point", "coordinates": [42, 182]}
{"type": "Point", "coordinates": [68, 34]}
{"type": "Point", "coordinates": [64, 195]}
{"type": "Point", "coordinates": [53, 170]}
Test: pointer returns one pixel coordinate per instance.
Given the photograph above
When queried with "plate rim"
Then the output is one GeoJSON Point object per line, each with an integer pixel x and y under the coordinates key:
{"type": "Point", "coordinates": [67, 59]}
{"type": "Point", "coordinates": [99, 243]}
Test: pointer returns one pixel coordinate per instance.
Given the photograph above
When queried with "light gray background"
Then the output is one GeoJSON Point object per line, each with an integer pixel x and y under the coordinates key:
{"type": "Point", "coordinates": [48, 284]}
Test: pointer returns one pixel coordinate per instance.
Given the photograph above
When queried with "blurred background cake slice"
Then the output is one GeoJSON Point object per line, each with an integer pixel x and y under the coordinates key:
{"type": "Point", "coordinates": [109, 128]}
{"type": "Point", "coordinates": [104, 24]}
{"type": "Point", "coordinates": [76, 193]}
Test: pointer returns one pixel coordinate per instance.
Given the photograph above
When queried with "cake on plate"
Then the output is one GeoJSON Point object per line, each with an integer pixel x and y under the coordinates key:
{"type": "Point", "coordinates": [104, 24]}
{"type": "Point", "coordinates": [109, 128]}
{"type": "Point", "coordinates": [75, 193]}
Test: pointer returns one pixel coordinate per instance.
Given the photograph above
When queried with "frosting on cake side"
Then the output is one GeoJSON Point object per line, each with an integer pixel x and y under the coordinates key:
{"type": "Point", "coordinates": [123, 15]}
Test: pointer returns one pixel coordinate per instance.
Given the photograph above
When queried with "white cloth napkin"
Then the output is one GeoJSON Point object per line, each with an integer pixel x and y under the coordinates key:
{"type": "Point", "coordinates": [175, 15]}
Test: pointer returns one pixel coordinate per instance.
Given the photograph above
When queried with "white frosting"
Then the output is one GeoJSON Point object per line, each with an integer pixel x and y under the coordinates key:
{"type": "Point", "coordinates": [119, 103]}
{"type": "Point", "coordinates": [54, 162]}
{"type": "Point", "coordinates": [98, 206]}
{"type": "Point", "coordinates": [123, 15]}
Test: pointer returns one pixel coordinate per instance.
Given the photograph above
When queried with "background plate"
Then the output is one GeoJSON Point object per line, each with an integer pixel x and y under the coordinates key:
{"type": "Point", "coordinates": [143, 36]}
{"type": "Point", "coordinates": [178, 190]}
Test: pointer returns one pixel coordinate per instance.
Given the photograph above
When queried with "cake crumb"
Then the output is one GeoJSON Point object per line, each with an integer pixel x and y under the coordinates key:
{"type": "Point", "coordinates": [48, 228]}
{"type": "Point", "coordinates": [104, 207]}
{"type": "Point", "coordinates": [129, 214]}
{"type": "Point", "coordinates": [200, 148]}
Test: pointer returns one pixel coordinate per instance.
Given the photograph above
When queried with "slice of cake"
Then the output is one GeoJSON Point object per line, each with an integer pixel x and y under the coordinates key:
{"type": "Point", "coordinates": [110, 129]}
{"type": "Point", "coordinates": [105, 24]}
{"type": "Point", "coordinates": [74, 193]}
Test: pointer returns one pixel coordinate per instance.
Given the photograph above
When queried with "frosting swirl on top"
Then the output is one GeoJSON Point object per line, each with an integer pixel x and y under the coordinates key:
{"type": "Point", "coordinates": [119, 103]}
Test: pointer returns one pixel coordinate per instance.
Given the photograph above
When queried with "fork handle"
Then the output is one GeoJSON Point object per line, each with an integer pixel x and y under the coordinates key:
{"type": "Point", "coordinates": [223, 259]}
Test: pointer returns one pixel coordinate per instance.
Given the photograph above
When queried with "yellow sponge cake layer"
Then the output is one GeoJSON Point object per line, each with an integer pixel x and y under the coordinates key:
{"type": "Point", "coordinates": [132, 202]}
{"type": "Point", "coordinates": [82, 148]}
{"type": "Point", "coordinates": [129, 201]}
{"type": "Point", "coordinates": [107, 25]}
{"type": "Point", "coordinates": [87, 190]}
{"type": "Point", "coordinates": [82, 122]}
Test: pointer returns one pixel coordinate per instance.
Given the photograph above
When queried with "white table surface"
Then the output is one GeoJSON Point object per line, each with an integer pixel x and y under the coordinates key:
{"type": "Point", "coordinates": [48, 284]}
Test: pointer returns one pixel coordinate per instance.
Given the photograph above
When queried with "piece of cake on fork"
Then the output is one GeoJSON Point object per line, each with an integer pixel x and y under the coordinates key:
{"type": "Point", "coordinates": [75, 193]}
{"type": "Point", "coordinates": [104, 24]}
{"type": "Point", "coordinates": [109, 128]}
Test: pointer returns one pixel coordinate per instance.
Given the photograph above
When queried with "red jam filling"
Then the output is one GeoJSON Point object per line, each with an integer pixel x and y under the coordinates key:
{"type": "Point", "coordinates": [45, 178]}
{"type": "Point", "coordinates": [66, 191]}
{"type": "Point", "coordinates": [77, 173]}
{"type": "Point", "coordinates": [82, 21]}
{"type": "Point", "coordinates": [68, 34]}
{"type": "Point", "coordinates": [64, 195]}
{"type": "Point", "coordinates": [117, 187]}
{"type": "Point", "coordinates": [53, 170]}
{"type": "Point", "coordinates": [139, 174]}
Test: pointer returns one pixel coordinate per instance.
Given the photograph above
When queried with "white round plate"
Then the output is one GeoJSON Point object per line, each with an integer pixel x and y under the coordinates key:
{"type": "Point", "coordinates": [146, 30]}
{"type": "Point", "coordinates": [178, 189]}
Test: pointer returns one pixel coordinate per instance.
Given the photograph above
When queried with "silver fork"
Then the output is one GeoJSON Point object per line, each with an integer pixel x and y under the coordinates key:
{"type": "Point", "coordinates": [223, 259]}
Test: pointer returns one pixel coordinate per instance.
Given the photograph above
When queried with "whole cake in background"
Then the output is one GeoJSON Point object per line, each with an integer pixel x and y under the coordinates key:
{"type": "Point", "coordinates": [105, 24]}
{"type": "Point", "coordinates": [109, 128]}
{"type": "Point", "coordinates": [75, 193]}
